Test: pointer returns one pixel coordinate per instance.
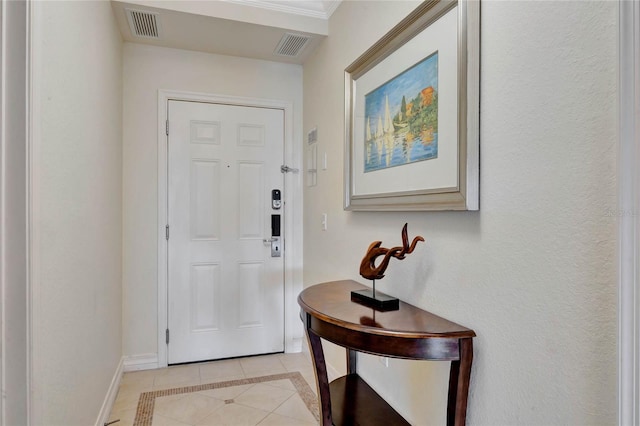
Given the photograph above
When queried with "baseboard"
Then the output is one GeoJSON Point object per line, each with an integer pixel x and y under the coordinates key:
{"type": "Point", "coordinates": [110, 397]}
{"type": "Point", "coordinates": [293, 346]}
{"type": "Point", "coordinates": [141, 362]}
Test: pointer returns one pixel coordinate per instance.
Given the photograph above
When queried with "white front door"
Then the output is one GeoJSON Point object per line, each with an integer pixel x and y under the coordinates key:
{"type": "Point", "coordinates": [226, 291]}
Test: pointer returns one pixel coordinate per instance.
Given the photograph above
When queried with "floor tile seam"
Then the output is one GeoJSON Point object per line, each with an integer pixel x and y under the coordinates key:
{"type": "Point", "coordinates": [128, 379]}
{"type": "Point", "coordinates": [223, 384]}
{"type": "Point", "coordinates": [262, 419]}
{"type": "Point", "coordinates": [136, 385]}
{"type": "Point", "coordinates": [147, 374]}
{"type": "Point", "coordinates": [277, 414]}
{"type": "Point", "coordinates": [130, 395]}
{"type": "Point", "coordinates": [120, 412]}
{"type": "Point", "coordinates": [146, 405]}
{"type": "Point", "coordinates": [252, 385]}
{"type": "Point", "coordinates": [306, 394]}
{"type": "Point", "coordinates": [262, 383]}
{"type": "Point", "coordinates": [209, 413]}
{"type": "Point", "coordinates": [179, 371]}
{"type": "Point", "coordinates": [129, 392]}
{"type": "Point", "coordinates": [188, 394]}
{"type": "Point", "coordinates": [244, 406]}
{"type": "Point", "coordinates": [274, 389]}
{"type": "Point", "coordinates": [278, 387]}
{"type": "Point", "coordinates": [174, 386]}
{"type": "Point", "coordinates": [125, 407]}
{"type": "Point", "coordinates": [171, 418]}
{"type": "Point", "coordinates": [223, 400]}
{"type": "Point", "coordinates": [200, 419]}
{"type": "Point", "coordinates": [209, 379]}
{"type": "Point", "coordinates": [216, 385]}
{"type": "Point", "coordinates": [290, 396]}
{"type": "Point", "coordinates": [301, 392]}
{"type": "Point", "coordinates": [289, 417]}
{"type": "Point", "coordinates": [242, 368]}
{"type": "Point", "coordinates": [263, 371]}
{"type": "Point", "coordinates": [204, 376]}
{"type": "Point", "coordinates": [178, 420]}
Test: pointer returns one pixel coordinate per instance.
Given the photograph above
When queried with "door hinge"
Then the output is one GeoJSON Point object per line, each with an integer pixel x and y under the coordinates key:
{"type": "Point", "coordinates": [166, 232]}
{"type": "Point", "coordinates": [167, 127]}
{"type": "Point", "coordinates": [167, 336]}
{"type": "Point", "coordinates": [287, 169]}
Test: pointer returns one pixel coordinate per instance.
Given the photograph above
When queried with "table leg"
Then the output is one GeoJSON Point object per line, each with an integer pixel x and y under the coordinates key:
{"type": "Point", "coordinates": [320, 369]}
{"type": "Point", "coordinates": [459, 377]}
{"type": "Point", "coordinates": [352, 361]}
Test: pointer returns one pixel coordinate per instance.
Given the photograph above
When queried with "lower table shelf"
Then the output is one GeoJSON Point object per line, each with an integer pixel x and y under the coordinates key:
{"type": "Point", "coordinates": [354, 402]}
{"type": "Point", "coordinates": [328, 312]}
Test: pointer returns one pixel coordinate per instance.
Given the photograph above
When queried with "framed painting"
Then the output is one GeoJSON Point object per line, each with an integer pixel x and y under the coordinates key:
{"type": "Point", "coordinates": [412, 114]}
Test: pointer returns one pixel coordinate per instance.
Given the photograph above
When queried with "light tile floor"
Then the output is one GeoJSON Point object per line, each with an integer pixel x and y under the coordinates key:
{"type": "Point", "coordinates": [267, 403]}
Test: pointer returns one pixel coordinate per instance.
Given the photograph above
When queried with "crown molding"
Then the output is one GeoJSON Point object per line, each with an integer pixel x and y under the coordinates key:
{"type": "Point", "coordinates": [331, 6]}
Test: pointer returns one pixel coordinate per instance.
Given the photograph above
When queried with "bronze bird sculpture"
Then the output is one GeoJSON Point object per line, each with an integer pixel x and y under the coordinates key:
{"type": "Point", "coordinates": [368, 268]}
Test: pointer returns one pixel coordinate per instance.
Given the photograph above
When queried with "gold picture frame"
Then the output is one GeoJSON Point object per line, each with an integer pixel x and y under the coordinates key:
{"type": "Point", "coordinates": [403, 157]}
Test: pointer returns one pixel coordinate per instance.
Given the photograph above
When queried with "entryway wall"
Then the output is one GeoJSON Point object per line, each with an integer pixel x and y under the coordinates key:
{"type": "Point", "coordinates": [146, 70]}
{"type": "Point", "coordinates": [75, 212]}
{"type": "Point", "coordinates": [534, 271]}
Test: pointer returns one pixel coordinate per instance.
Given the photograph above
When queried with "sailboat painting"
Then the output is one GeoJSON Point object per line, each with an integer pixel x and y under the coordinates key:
{"type": "Point", "coordinates": [401, 118]}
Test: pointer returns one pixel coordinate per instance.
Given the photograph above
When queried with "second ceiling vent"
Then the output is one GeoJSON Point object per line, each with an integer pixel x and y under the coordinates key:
{"type": "Point", "coordinates": [143, 24]}
{"type": "Point", "coordinates": [292, 44]}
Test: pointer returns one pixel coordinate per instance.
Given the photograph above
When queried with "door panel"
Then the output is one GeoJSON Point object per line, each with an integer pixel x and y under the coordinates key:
{"type": "Point", "coordinates": [205, 199]}
{"type": "Point", "coordinates": [226, 292]}
{"type": "Point", "coordinates": [251, 292]}
{"type": "Point", "coordinates": [251, 200]}
{"type": "Point", "coordinates": [205, 297]}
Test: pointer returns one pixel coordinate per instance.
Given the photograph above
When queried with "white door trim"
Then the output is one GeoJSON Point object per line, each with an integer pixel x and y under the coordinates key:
{"type": "Point", "coordinates": [629, 215]}
{"type": "Point", "coordinates": [16, 141]}
{"type": "Point", "coordinates": [292, 209]}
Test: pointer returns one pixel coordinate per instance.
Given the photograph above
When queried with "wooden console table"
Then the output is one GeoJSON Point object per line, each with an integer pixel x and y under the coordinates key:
{"type": "Point", "coordinates": [410, 333]}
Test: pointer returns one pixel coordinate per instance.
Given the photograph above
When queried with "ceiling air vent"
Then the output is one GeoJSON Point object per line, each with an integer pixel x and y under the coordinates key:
{"type": "Point", "coordinates": [292, 44]}
{"type": "Point", "coordinates": [143, 24]}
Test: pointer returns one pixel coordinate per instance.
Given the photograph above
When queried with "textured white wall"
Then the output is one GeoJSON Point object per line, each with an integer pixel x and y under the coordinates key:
{"type": "Point", "coordinates": [77, 211]}
{"type": "Point", "coordinates": [146, 70]}
{"type": "Point", "coordinates": [533, 272]}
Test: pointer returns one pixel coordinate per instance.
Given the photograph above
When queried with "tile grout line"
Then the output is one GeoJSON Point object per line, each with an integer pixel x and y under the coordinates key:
{"type": "Point", "coordinates": [146, 404]}
{"type": "Point", "coordinates": [272, 411]}
{"type": "Point", "coordinates": [281, 404]}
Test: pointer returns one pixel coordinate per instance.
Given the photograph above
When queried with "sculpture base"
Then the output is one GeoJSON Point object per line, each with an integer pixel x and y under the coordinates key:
{"type": "Point", "coordinates": [380, 302]}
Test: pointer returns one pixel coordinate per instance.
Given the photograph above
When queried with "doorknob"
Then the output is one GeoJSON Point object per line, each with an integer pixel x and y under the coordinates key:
{"type": "Point", "coordinates": [276, 248]}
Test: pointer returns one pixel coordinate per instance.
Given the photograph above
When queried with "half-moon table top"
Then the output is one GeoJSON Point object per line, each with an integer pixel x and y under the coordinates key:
{"type": "Point", "coordinates": [331, 303]}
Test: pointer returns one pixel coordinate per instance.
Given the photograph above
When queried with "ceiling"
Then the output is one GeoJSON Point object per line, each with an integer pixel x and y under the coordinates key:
{"type": "Point", "coordinates": [246, 28]}
{"type": "Point", "coordinates": [319, 9]}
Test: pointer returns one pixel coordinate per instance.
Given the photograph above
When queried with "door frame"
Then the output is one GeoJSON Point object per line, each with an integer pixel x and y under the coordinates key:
{"type": "Point", "coordinates": [292, 210]}
{"type": "Point", "coordinates": [19, 86]}
{"type": "Point", "coordinates": [628, 214]}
